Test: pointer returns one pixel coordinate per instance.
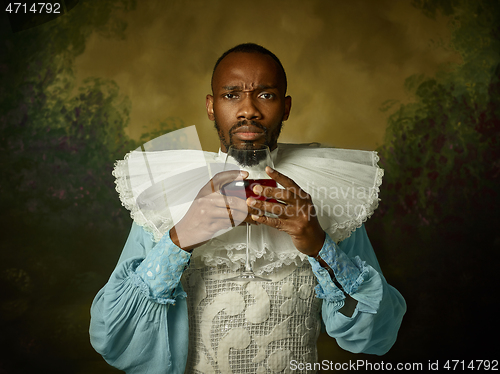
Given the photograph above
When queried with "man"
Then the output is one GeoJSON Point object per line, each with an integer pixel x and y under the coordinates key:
{"type": "Point", "coordinates": [140, 318]}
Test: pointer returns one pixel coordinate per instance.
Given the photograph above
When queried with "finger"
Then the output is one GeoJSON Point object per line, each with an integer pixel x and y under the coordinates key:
{"type": "Point", "coordinates": [290, 185]}
{"type": "Point", "coordinates": [275, 193]}
{"type": "Point", "coordinates": [221, 200]}
{"type": "Point", "coordinates": [228, 218]}
{"type": "Point", "coordinates": [238, 214]}
{"type": "Point", "coordinates": [249, 220]}
{"type": "Point", "coordinates": [220, 213]}
{"type": "Point", "coordinates": [276, 223]}
{"type": "Point", "coordinates": [280, 178]}
{"type": "Point", "coordinates": [236, 204]}
{"type": "Point", "coordinates": [210, 209]}
{"type": "Point", "coordinates": [225, 177]}
{"type": "Point", "coordinates": [278, 209]}
{"type": "Point", "coordinates": [252, 210]}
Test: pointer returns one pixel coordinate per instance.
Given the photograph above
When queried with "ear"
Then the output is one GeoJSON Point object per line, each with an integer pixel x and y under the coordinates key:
{"type": "Point", "coordinates": [210, 107]}
{"type": "Point", "coordinates": [288, 107]}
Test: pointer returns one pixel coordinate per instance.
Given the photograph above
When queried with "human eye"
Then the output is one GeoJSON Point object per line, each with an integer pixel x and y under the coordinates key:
{"type": "Point", "coordinates": [230, 96]}
{"type": "Point", "coordinates": [267, 96]}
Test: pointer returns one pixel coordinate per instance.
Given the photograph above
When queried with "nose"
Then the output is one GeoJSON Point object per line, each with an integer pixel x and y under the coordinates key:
{"type": "Point", "coordinates": [248, 109]}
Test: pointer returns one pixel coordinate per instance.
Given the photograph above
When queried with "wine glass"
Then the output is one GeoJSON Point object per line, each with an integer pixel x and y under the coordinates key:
{"type": "Point", "coordinates": [253, 159]}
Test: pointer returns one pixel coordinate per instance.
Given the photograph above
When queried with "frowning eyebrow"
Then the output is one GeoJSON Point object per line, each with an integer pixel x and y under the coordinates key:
{"type": "Point", "coordinates": [240, 88]}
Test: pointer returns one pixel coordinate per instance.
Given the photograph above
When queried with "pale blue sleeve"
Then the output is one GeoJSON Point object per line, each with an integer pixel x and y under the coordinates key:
{"type": "Point", "coordinates": [139, 318]}
{"type": "Point", "coordinates": [374, 325]}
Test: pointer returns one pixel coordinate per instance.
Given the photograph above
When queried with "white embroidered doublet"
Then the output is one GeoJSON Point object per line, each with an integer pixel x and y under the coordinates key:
{"type": "Point", "coordinates": [251, 327]}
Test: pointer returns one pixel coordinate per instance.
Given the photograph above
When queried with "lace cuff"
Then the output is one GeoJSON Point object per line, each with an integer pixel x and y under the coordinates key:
{"type": "Point", "coordinates": [326, 288]}
{"type": "Point", "coordinates": [350, 274]}
{"type": "Point", "coordinates": [158, 276]}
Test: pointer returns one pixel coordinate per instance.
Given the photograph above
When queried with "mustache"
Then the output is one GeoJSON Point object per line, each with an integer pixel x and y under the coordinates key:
{"type": "Point", "coordinates": [245, 122]}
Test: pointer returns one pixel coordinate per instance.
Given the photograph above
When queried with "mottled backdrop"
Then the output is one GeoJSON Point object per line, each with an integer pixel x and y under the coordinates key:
{"type": "Point", "coordinates": [418, 81]}
{"type": "Point", "coordinates": [343, 59]}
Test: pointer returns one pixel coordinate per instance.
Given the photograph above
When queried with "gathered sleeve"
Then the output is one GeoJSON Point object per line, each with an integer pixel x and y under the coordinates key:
{"type": "Point", "coordinates": [374, 325]}
{"type": "Point", "coordinates": [139, 318]}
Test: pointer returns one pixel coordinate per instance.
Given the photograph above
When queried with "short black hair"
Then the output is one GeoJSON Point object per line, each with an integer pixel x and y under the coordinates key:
{"type": "Point", "coordinates": [250, 48]}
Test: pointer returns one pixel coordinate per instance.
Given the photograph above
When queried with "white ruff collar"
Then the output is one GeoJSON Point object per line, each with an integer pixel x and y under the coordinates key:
{"type": "Point", "coordinates": [159, 187]}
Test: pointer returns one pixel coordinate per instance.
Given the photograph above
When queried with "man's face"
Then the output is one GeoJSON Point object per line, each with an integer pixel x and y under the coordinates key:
{"type": "Point", "coordinates": [248, 104]}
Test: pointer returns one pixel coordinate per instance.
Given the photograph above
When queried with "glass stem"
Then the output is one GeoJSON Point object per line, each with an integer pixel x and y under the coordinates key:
{"type": "Point", "coordinates": [248, 267]}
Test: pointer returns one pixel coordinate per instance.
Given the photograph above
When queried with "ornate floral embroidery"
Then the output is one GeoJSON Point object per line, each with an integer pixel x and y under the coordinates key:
{"type": "Point", "coordinates": [254, 336]}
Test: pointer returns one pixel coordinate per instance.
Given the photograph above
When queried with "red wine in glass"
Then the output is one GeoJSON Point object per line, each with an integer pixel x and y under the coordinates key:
{"type": "Point", "coordinates": [235, 188]}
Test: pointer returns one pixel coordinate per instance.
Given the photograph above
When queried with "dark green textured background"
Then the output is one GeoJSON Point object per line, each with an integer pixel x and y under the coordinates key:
{"type": "Point", "coordinates": [436, 232]}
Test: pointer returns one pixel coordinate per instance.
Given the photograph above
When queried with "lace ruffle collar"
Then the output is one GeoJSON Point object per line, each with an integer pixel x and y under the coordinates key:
{"type": "Point", "coordinates": [344, 185]}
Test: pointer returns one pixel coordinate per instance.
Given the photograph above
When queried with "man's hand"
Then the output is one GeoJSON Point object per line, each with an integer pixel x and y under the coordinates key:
{"type": "Point", "coordinates": [296, 215]}
{"type": "Point", "coordinates": [211, 212]}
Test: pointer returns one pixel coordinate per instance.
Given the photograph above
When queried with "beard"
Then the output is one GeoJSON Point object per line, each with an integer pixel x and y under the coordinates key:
{"type": "Point", "coordinates": [270, 139]}
{"type": "Point", "coordinates": [245, 157]}
{"type": "Point", "coordinates": [242, 155]}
